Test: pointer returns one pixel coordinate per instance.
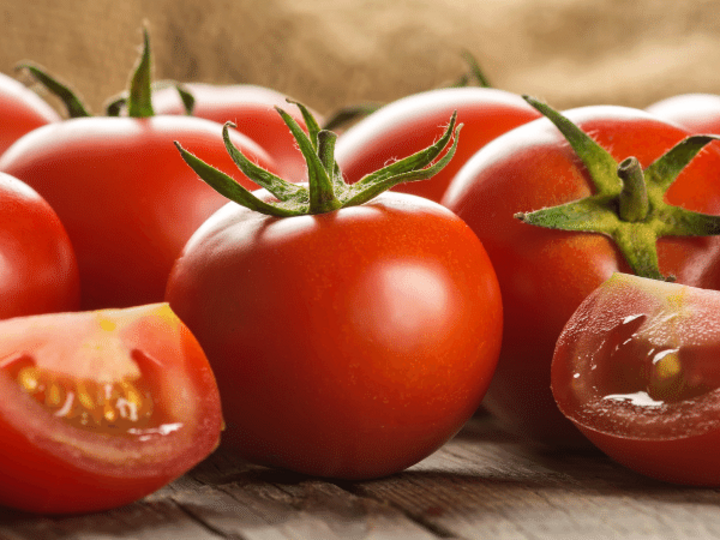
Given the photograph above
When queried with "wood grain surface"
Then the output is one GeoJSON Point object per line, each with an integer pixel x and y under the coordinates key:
{"type": "Point", "coordinates": [483, 484]}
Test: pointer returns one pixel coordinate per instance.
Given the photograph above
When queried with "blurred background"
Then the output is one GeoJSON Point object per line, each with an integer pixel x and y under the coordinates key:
{"type": "Point", "coordinates": [330, 53]}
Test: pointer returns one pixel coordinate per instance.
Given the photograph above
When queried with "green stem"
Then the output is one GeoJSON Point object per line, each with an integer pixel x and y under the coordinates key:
{"type": "Point", "coordinates": [633, 199]}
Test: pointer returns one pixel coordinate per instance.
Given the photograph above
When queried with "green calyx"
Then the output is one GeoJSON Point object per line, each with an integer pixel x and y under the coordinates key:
{"type": "Point", "coordinates": [629, 202]}
{"type": "Point", "coordinates": [326, 189]}
{"type": "Point", "coordinates": [136, 101]}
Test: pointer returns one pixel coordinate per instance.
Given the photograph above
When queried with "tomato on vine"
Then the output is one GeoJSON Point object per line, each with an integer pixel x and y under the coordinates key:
{"type": "Point", "coordinates": [352, 332]}
{"type": "Point", "coordinates": [560, 204]}
{"type": "Point", "coordinates": [127, 200]}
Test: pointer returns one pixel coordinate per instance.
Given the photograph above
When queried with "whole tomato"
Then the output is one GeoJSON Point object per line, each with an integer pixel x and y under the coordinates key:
{"type": "Point", "coordinates": [636, 369]}
{"type": "Point", "coordinates": [698, 113]}
{"type": "Point", "coordinates": [609, 225]}
{"type": "Point", "coordinates": [99, 409]}
{"type": "Point", "coordinates": [39, 271]}
{"type": "Point", "coordinates": [252, 109]}
{"type": "Point", "coordinates": [126, 198]}
{"type": "Point", "coordinates": [407, 125]}
{"type": "Point", "coordinates": [349, 340]}
{"type": "Point", "coordinates": [21, 110]}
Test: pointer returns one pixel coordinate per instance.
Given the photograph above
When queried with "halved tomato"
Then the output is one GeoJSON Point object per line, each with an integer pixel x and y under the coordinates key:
{"type": "Point", "coordinates": [100, 408]}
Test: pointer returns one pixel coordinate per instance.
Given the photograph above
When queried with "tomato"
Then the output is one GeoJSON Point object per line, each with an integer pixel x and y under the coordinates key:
{"type": "Point", "coordinates": [636, 369]}
{"type": "Point", "coordinates": [39, 271]}
{"type": "Point", "coordinates": [544, 274]}
{"type": "Point", "coordinates": [21, 111]}
{"type": "Point", "coordinates": [101, 408]}
{"type": "Point", "coordinates": [407, 125]}
{"type": "Point", "coordinates": [698, 113]}
{"type": "Point", "coordinates": [350, 341]}
{"type": "Point", "coordinates": [127, 200]}
{"type": "Point", "coordinates": [252, 109]}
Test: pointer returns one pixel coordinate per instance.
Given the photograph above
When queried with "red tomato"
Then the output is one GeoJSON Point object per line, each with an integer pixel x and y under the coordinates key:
{"type": "Point", "coordinates": [101, 408]}
{"type": "Point", "coordinates": [636, 369]}
{"type": "Point", "coordinates": [21, 110]}
{"type": "Point", "coordinates": [698, 113]}
{"type": "Point", "coordinates": [127, 199]}
{"type": "Point", "coordinates": [408, 125]}
{"type": "Point", "coordinates": [348, 344]}
{"type": "Point", "coordinates": [544, 274]}
{"type": "Point", "coordinates": [252, 109]}
{"type": "Point", "coordinates": [39, 271]}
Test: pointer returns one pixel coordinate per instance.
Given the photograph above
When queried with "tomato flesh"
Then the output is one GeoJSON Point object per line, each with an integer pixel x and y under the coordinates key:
{"type": "Point", "coordinates": [636, 369]}
{"type": "Point", "coordinates": [101, 408]}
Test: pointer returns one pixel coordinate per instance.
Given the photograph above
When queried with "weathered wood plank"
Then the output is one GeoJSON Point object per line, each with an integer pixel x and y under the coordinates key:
{"type": "Point", "coordinates": [484, 485]}
{"type": "Point", "coordinates": [481, 485]}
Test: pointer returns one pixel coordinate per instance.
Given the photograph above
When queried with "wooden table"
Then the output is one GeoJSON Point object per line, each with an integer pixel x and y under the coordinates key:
{"type": "Point", "coordinates": [483, 484]}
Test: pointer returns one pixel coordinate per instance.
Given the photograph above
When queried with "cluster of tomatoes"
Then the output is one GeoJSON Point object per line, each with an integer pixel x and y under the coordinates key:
{"type": "Point", "coordinates": [318, 322]}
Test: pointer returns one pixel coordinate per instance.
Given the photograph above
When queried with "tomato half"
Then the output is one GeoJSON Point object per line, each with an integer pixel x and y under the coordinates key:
{"type": "Point", "coordinates": [21, 111]}
{"type": "Point", "coordinates": [545, 274]}
{"type": "Point", "coordinates": [347, 344]}
{"type": "Point", "coordinates": [38, 270]}
{"type": "Point", "coordinates": [636, 369]}
{"type": "Point", "coordinates": [126, 198]}
{"type": "Point", "coordinates": [252, 109]}
{"type": "Point", "coordinates": [410, 124]}
{"type": "Point", "coordinates": [99, 409]}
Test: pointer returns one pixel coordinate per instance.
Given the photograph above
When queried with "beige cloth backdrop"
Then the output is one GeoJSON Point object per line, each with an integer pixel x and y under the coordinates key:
{"type": "Point", "coordinates": [330, 53]}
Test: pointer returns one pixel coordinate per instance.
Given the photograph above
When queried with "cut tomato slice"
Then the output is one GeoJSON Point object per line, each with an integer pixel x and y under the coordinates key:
{"type": "Point", "coordinates": [100, 408]}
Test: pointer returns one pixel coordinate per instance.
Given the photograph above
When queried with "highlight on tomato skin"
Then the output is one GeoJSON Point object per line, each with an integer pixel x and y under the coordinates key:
{"type": "Point", "coordinates": [636, 370]}
{"type": "Point", "coordinates": [101, 408]}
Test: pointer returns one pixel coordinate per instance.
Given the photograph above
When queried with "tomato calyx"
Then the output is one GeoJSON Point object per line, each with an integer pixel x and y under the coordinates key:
{"type": "Point", "coordinates": [629, 204]}
{"type": "Point", "coordinates": [326, 189]}
{"type": "Point", "coordinates": [136, 100]}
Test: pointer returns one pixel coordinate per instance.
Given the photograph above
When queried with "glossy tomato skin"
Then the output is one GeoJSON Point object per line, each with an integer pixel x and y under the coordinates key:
{"type": "Point", "coordinates": [39, 270]}
{"type": "Point", "coordinates": [635, 368]}
{"type": "Point", "coordinates": [54, 460]}
{"type": "Point", "coordinates": [252, 109]}
{"type": "Point", "coordinates": [125, 196]}
{"type": "Point", "coordinates": [411, 124]}
{"type": "Point", "coordinates": [698, 113]}
{"type": "Point", "coordinates": [21, 111]}
{"type": "Point", "coordinates": [544, 274]}
{"type": "Point", "coordinates": [349, 344]}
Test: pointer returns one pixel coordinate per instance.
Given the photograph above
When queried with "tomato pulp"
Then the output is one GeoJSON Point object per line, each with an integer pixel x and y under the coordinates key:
{"type": "Point", "coordinates": [636, 369]}
{"type": "Point", "coordinates": [101, 408]}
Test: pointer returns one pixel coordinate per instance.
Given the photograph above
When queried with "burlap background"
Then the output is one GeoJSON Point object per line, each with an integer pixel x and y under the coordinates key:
{"type": "Point", "coordinates": [329, 53]}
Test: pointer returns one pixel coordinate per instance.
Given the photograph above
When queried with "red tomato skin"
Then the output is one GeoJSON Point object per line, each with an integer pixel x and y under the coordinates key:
{"type": "Point", "coordinates": [672, 442]}
{"type": "Point", "coordinates": [21, 111]}
{"type": "Point", "coordinates": [545, 274]}
{"type": "Point", "coordinates": [698, 113]}
{"type": "Point", "coordinates": [52, 468]}
{"type": "Point", "coordinates": [252, 109]}
{"type": "Point", "coordinates": [411, 124]}
{"type": "Point", "coordinates": [39, 271]}
{"type": "Point", "coordinates": [125, 196]}
{"type": "Point", "coordinates": [349, 344]}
